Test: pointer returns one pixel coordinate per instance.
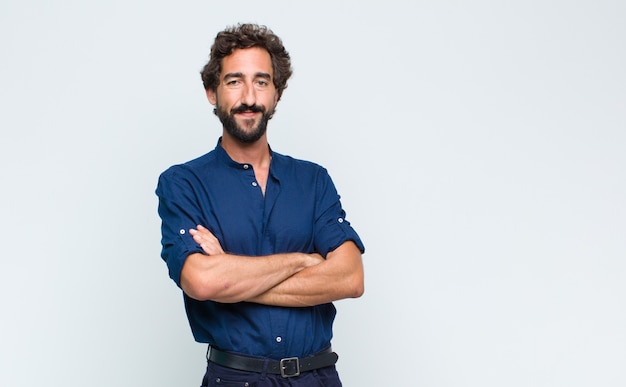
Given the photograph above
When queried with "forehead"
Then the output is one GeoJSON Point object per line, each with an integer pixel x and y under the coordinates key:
{"type": "Point", "coordinates": [247, 61]}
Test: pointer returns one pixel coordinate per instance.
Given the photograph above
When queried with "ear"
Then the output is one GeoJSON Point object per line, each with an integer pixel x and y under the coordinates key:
{"type": "Point", "coordinates": [211, 96]}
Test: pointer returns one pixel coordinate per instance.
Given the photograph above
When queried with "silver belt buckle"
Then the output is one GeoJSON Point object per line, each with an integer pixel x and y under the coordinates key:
{"type": "Point", "coordinates": [283, 367]}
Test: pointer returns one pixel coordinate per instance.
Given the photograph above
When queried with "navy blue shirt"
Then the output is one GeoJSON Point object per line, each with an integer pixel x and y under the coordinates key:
{"type": "Point", "coordinates": [300, 212]}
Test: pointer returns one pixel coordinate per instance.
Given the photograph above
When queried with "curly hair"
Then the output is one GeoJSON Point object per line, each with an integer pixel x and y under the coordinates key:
{"type": "Point", "coordinates": [247, 36]}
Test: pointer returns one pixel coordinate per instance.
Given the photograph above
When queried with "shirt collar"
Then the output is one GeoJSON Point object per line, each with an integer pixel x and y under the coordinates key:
{"type": "Point", "coordinates": [227, 160]}
{"type": "Point", "coordinates": [224, 157]}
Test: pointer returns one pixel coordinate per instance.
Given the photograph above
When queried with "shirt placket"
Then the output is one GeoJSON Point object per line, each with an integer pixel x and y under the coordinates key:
{"type": "Point", "coordinates": [277, 317]}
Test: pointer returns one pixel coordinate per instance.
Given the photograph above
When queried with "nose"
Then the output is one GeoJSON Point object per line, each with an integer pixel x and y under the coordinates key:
{"type": "Point", "coordinates": [248, 94]}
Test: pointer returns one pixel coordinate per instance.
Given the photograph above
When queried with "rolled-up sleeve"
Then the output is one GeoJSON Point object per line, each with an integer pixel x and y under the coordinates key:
{"type": "Point", "coordinates": [179, 211]}
{"type": "Point", "coordinates": [331, 226]}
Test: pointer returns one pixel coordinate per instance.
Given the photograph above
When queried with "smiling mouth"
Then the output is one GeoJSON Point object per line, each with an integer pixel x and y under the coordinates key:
{"type": "Point", "coordinates": [247, 114]}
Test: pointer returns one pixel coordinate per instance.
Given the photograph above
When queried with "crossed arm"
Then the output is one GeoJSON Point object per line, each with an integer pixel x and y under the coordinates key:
{"type": "Point", "coordinates": [291, 279]}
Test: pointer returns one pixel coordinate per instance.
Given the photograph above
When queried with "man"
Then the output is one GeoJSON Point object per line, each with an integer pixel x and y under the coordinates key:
{"type": "Point", "coordinates": [257, 241]}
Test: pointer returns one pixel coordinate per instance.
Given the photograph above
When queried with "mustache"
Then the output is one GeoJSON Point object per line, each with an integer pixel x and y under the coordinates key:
{"type": "Point", "coordinates": [247, 108]}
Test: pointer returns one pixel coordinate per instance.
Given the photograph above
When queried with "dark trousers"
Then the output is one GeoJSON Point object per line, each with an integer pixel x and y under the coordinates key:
{"type": "Point", "coordinates": [218, 376]}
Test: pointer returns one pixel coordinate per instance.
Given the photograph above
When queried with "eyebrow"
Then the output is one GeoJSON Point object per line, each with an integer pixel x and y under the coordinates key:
{"type": "Point", "coordinates": [240, 75]}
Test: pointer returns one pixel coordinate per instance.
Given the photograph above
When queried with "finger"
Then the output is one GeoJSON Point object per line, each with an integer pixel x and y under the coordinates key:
{"type": "Point", "coordinates": [203, 230]}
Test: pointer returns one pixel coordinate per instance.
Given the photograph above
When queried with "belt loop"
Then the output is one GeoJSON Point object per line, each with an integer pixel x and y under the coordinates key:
{"type": "Point", "coordinates": [266, 364]}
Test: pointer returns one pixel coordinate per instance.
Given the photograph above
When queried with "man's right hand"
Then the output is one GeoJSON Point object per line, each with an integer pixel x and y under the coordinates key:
{"type": "Point", "coordinates": [205, 238]}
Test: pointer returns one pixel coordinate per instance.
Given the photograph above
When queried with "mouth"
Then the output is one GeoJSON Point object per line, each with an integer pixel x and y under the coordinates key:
{"type": "Point", "coordinates": [247, 114]}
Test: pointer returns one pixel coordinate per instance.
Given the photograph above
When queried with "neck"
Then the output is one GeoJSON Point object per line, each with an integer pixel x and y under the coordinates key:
{"type": "Point", "coordinates": [256, 153]}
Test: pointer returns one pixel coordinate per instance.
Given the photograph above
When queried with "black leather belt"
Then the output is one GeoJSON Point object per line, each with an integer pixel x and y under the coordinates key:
{"type": "Point", "coordinates": [287, 367]}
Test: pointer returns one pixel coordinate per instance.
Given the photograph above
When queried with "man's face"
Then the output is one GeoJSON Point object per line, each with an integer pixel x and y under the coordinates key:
{"type": "Point", "coordinates": [245, 98]}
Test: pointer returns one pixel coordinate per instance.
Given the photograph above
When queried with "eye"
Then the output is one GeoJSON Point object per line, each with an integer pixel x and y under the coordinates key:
{"type": "Point", "coordinates": [262, 83]}
{"type": "Point", "coordinates": [233, 82]}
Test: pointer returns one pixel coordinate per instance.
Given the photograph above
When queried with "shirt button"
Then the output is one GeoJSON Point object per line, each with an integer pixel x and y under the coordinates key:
{"type": "Point", "coordinates": [340, 220]}
{"type": "Point", "coordinates": [279, 339]}
{"type": "Point", "coordinates": [246, 166]}
{"type": "Point", "coordinates": [254, 184]}
{"type": "Point", "coordinates": [182, 231]}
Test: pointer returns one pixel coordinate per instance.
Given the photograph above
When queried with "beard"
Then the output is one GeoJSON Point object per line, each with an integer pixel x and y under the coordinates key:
{"type": "Point", "coordinates": [249, 133]}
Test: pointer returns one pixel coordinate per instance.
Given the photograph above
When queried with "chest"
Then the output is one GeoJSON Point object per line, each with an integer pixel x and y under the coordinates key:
{"type": "Point", "coordinates": [251, 220]}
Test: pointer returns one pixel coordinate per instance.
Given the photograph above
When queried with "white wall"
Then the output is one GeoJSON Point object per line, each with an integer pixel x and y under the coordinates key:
{"type": "Point", "coordinates": [479, 148]}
